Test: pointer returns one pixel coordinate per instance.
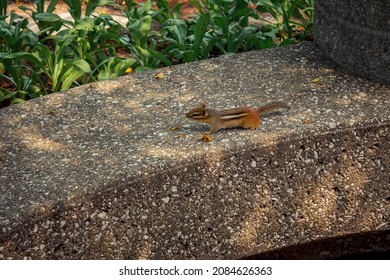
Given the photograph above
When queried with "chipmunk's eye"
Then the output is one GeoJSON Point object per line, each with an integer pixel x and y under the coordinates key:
{"type": "Point", "coordinates": [198, 114]}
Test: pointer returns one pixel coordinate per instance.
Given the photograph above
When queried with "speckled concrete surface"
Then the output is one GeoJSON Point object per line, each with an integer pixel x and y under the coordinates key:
{"type": "Point", "coordinates": [115, 170]}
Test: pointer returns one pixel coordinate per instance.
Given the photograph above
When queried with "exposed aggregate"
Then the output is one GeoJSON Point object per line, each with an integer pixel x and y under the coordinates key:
{"type": "Point", "coordinates": [115, 170]}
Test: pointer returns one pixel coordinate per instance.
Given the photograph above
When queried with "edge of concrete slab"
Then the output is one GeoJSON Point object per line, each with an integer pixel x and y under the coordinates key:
{"type": "Point", "coordinates": [114, 170]}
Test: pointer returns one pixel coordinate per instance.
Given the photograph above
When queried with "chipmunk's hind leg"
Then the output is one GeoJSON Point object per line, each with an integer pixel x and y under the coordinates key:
{"type": "Point", "coordinates": [252, 122]}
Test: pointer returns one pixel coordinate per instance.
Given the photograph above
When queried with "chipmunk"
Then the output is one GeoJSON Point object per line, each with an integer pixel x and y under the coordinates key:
{"type": "Point", "coordinates": [244, 117]}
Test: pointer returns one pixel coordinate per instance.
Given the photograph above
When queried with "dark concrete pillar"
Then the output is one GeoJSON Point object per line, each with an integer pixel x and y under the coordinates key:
{"type": "Point", "coordinates": [356, 35]}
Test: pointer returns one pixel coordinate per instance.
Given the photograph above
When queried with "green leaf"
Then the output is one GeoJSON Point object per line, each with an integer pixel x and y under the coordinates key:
{"type": "Point", "coordinates": [17, 100]}
{"type": "Point", "coordinates": [188, 55]}
{"type": "Point", "coordinates": [123, 65]}
{"type": "Point", "coordinates": [83, 65]}
{"type": "Point", "coordinates": [52, 6]}
{"type": "Point", "coordinates": [287, 42]}
{"type": "Point", "coordinates": [197, 5]}
{"type": "Point", "coordinates": [47, 17]}
{"type": "Point", "coordinates": [238, 38]}
{"type": "Point", "coordinates": [161, 57]}
{"type": "Point", "coordinates": [85, 24]}
{"type": "Point", "coordinates": [200, 30]}
{"type": "Point", "coordinates": [102, 76]}
{"type": "Point", "coordinates": [143, 69]}
{"type": "Point", "coordinates": [222, 23]}
{"type": "Point", "coordinates": [91, 6]}
{"type": "Point", "coordinates": [74, 8]}
{"type": "Point", "coordinates": [178, 30]}
{"type": "Point", "coordinates": [176, 10]}
{"type": "Point", "coordinates": [144, 52]}
{"type": "Point", "coordinates": [23, 55]}
{"type": "Point", "coordinates": [140, 28]}
{"type": "Point", "coordinates": [48, 20]}
{"type": "Point", "coordinates": [24, 8]}
{"type": "Point", "coordinates": [72, 74]}
{"type": "Point", "coordinates": [211, 42]}
{"type": "Point", "coordinates": [40, 6]}
{"type": "Point", "coordinates": [8, 95]}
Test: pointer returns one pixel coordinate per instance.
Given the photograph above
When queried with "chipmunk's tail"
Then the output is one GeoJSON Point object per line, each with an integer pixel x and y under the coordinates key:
{"type": "Point", "coordinates": [270, 107]}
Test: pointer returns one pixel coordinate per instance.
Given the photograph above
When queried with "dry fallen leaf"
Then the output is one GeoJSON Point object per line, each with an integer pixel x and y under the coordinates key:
{"type": "Point", "coordinates": [175, 128]}
{"type": "Point", "coordinates": [307, 121]}
{"type": "Point", "coordinates": [326, 70]}
{"type": "Point", "coordinates": [159, 76]}
{"type": "Point", "coordinates": [316, 80]}
{"type": "Point", "coordinates": [129, 70]}
{"type": "Point", "coordinates": [205, 138]}
{"type": "Point", "coordinates": [182, 135]}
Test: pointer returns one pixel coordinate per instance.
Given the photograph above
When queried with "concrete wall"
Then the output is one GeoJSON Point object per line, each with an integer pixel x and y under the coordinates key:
{"type": "Point", "coordinates": [356, 35]}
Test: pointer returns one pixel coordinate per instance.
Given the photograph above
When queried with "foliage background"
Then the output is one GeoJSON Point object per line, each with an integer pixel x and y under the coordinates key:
{"type": "Point", "coordinates": [92, 46]}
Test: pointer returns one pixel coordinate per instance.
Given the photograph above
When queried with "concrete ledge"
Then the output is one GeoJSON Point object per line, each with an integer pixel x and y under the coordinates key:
{"type": "Point", "coordinates": [98, 172]}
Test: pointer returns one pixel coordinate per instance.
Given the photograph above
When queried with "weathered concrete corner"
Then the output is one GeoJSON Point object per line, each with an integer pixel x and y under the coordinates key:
{"type": "Point", "coordinates": [115, 170]}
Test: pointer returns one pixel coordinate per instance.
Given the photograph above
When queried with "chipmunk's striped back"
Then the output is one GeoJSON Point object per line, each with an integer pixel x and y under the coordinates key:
{"type": "Point", "coordinates": [244, 117]}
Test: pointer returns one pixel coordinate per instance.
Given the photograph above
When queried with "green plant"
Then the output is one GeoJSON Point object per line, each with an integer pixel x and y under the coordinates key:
{"type": "Point", "coordinates": [229, 21]}
{"type": "Point", "coordinates": [288, 14]}
{"type": "Point", "coordinates": [141, 40]}
{"type": "Point", "coordinates": [76, 11]}
{"type": "Point", "coordinates": [22, 78]}
{"type": "Point", "coordinates": [61, 67]}
{"type": "Point", "coordinates": [49, 22]}
{"type": "Point", "coordinates": [233, 10]}
{"type": "Point", "coordinates": [104, 33]}
{"type": "Point", "coordinates": [3, 7]}
{"type": "Point", "coordinates": [89, 36]}
{"type": "Point", "coordinates": [15, 35]}
{"type": "Point", "coordinates": [95, 40]}
{"type": "Point", "coordinates": [24, 87]}
{"type": "Point", "coordinates": [15, 42]}
{"type": "Point", "coordinates": [164, 11]}
{"type": "Point", "coordinates": [303, 17]}
{"type": "Point", "coordinates": [188, 41]}
{"type": "Point", "coordinates": [32, 65]}
{"type": "Point", "coordinates": [137, 10]}
{"type": "Point", "coordinates": [46, 20]}
{"type": "Point", "coordinates": [114, 67]}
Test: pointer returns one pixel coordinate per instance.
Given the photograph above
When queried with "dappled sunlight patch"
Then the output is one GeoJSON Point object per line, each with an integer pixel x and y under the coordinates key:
{"type": "Point", "coordinates": [255, 223]}
{"type": "Point", "coordinates": [36, 141]}
{"type": "Point", "coordinates": [144, 250]}
{"type": "Point", "coordinates": [327, 206]}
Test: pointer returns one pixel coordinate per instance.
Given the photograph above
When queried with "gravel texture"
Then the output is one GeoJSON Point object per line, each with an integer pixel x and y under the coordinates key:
{"type": "Point", "coordinates": [356, 35]}
{"type": "Point", "coordinates": [114, 170]}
